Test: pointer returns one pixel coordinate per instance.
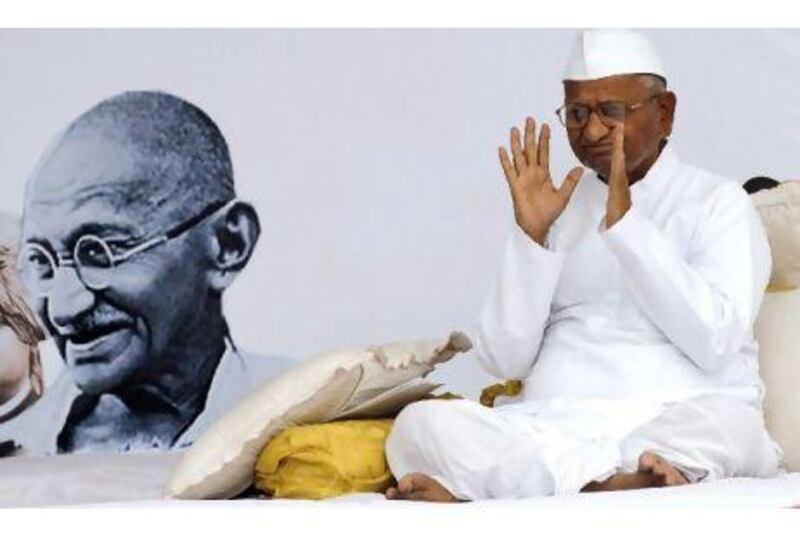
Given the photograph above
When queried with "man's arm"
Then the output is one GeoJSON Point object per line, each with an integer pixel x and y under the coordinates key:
{"type": "Point", "coordinates": [514, 318]}
{"type": "Point", "coordinates": [515, 315]}
{"type": "Point", "coordinates": [705, 304]}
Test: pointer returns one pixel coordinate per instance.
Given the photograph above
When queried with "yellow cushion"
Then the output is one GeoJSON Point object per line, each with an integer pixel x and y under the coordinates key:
{"type": "Point", "coordinates": [319, 461]}
{"type": "Point", "coordinates": [490, 394]}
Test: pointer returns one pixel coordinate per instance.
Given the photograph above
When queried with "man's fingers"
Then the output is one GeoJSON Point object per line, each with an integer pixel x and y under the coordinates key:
{"type": "Point", "coordinates": [619, 194]}
{"type": "Point", "coordinates": [544, 148]}
{"type": "Point", "coordinates": [570, 182]}
{"type": "Point", "coordinates": [530, 140]}
{"type": "Point", "coordinates": [516, 151]}
{"type": "Point", "coordinates": [508, 168]}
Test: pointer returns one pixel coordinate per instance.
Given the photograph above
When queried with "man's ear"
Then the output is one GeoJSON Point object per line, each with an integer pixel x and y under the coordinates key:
{"type": "Point", "coordinates": [234, 233]}
{"type": "Point", "coordinates": [667, 103]}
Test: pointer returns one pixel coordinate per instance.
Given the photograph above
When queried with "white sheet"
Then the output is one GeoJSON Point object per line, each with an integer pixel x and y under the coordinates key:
{"type": "Point", "coordinates": [80, 479]}
{"type": "Point", "coordinates": [138, 479]}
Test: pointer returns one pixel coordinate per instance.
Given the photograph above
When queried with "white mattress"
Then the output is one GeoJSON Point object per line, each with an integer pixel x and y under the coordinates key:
{"type": "Point", "coordinates": [138, 480]}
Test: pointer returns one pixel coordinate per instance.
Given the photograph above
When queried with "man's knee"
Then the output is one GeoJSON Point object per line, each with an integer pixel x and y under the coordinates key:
{"type": "Point", "coordinates": [428, 421]}
{"type": "Point", "coordinates": [708, 437]}
{"type": "Point", "coordinates": [430, 415]}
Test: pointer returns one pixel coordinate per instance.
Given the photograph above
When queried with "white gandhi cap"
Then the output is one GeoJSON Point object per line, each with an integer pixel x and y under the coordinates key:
{"type": "Point", "coordinates": [602, 53]}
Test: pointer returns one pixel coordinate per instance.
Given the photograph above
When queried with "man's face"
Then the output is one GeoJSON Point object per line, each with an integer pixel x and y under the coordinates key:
{"type": "Point", "coordinates": [644, 127]}
{"type": "Point", "coordinates": [121, 333]}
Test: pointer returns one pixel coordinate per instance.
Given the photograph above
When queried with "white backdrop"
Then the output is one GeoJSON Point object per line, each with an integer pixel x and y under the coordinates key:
{"type": "Point", "coordinates": [371, 154]}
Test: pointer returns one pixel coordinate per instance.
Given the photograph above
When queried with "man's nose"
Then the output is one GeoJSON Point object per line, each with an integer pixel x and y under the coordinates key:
{"type": "Point", "coordinates": [595, 129]}
{"type": "Point", "coordinates": [68, 299]}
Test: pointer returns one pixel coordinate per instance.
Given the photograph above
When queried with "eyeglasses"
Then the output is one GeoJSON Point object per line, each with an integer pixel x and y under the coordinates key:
{"type": "Point", "coordinates": [576, 116]}
{"type": "Point", "coordinates": [92, 257]}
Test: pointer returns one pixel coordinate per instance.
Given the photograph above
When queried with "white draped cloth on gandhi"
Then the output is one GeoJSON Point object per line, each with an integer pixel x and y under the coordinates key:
{"type": "Point", "coordinates": [629, 339]}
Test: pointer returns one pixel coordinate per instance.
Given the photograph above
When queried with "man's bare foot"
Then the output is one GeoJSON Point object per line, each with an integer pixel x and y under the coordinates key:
{"type": "Point", "coordinates": [653, 471]}
{"type": "Point", "coordinates": [419, 487]}
{"type": "Point", "coordinates": [663, 473]}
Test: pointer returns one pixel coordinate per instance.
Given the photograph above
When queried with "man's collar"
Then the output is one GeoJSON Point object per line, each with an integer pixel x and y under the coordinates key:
{"type": "Point", "coordinates": [660, 171]}
{"type": "Point", "coordinates": [664, 166]}
{"type": "Point", "coordinates": [225, 390]}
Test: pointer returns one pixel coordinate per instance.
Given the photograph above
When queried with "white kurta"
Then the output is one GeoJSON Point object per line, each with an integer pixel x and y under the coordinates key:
{"type": "Point", "coordinates": [633, 338]}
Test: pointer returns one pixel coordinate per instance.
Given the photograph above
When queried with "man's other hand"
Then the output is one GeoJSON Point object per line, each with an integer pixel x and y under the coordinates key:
{"type": "Point", "coordinates": [537, 202]}
{"type": "Point", "coordinates": [619, 190]}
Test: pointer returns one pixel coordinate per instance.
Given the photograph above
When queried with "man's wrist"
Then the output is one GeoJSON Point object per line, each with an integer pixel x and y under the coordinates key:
{"type": "Point", "coordinates": [615, 215]}
{"type": "Point", "coordinates": [539, 236]}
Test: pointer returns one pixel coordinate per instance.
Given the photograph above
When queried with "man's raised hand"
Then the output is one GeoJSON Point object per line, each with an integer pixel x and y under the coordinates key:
{"type": "Point", "coordinates": [537, 202]}
{"type": "Point", "coordinates": [619, 190]}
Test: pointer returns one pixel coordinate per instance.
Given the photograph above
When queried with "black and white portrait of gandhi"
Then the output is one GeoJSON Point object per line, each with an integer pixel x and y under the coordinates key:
{"type": "Point", "coordinates": [131, 233]}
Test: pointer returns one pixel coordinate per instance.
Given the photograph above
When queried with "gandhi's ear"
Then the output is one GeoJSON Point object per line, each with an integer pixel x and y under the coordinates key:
{"type": "Point", "coordinates": [234, 233]}
{"type": "Point", "coordinates": [667, 102]}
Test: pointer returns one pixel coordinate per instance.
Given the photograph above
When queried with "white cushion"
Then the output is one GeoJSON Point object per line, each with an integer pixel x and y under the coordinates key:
{"type": "Point", "coordinates": [779, 208]}
{"type": "Point", "coordinates": [778, 333]}
{"type": "Point", "coordinates": [376, 381]}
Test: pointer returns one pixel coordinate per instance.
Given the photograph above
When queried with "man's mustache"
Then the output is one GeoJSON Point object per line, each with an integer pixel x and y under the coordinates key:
{"type": "Point", "coordinates": [94, 324]}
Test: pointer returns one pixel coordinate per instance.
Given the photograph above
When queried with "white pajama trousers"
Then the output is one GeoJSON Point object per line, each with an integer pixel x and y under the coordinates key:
{"type": "Point", "coordinates": [521, 451]}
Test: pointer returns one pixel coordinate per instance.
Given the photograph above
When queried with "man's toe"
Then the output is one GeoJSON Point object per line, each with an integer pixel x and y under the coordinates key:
{"type": "Point", "coordinates": [648, 462]}
{"type": "Point", "coordinates": [408, 484]}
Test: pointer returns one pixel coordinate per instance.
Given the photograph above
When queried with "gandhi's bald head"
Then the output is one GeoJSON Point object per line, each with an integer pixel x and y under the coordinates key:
{"type": "Point", "coordinates": [163, 154]}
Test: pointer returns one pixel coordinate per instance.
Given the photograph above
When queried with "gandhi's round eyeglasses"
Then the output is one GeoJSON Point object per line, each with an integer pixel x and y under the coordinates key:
{"type": "Point", "coordinates": [576, 116]}
{"type": "Point", "coordinates": [92, 257]}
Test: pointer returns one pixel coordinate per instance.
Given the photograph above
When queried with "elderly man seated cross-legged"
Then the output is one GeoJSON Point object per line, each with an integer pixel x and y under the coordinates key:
{"type": "Point", "coordinates": [625, 302]}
